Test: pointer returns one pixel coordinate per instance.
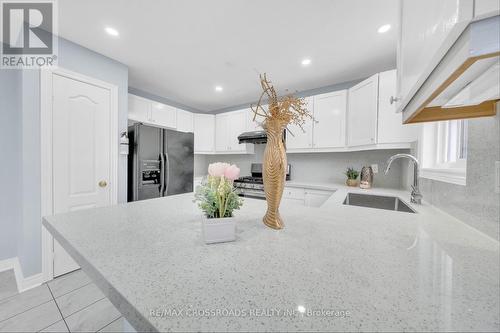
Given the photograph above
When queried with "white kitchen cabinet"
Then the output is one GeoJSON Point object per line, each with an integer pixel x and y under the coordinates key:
{"type": "Point", "coordinates": [185, 121]}
{"type": "Point", "coordinates": [293, 195]}
{"type": "Point", "coordinates": [316, 198]}
{"type": "Point", "coordinates": [301, 138]}
{"type": "Point", "coordinates": [486, 8]}
{"type": "Point", "coordinates": [139, 109]}
{"type": "Point", "coordinates": [238, 125]}
{"type": "Point", "coordinates": [163, 115]}
{"type": "Point", "coordinates": [390, 123]}
{"type": "Point", "coordinates": [254, 125]}
{"type": "Point", "coordinates": [204, 130]}
{"type": "Point", "coordinates": [330, 120]}
{"type": "Point", "coordinates": [362, 113]}
{"type": "Point", "coordinates": [428, 29]}
{"type": "Point", "coordinates": [221, 132]}
{"type": "Point", "coordinates": [228, 126]}
{"type": "Point", "coordinates": [150, 112]}
{"type": "Point", "coordinates": [305, 196]}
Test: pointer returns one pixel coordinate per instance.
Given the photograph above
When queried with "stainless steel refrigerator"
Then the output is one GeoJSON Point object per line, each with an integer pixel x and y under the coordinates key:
{"type": "Point", "coordinates": [161, 162]}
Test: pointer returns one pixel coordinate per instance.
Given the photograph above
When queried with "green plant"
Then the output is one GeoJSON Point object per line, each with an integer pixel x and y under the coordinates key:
{"type": "Point", "coordinates": [351, 173]}
{"type": "Point", "coordinates": [217, 197]}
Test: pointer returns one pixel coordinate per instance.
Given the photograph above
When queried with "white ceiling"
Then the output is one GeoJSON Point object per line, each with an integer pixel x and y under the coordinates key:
{"type": "Point", "coordinates": [182, 49]}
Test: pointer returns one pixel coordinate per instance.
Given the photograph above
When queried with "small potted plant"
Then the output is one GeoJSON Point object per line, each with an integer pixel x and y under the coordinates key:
{"type": "Point", "coordinates": [218, 199]}
{"type": "Point", "coordinates": [352, 176]}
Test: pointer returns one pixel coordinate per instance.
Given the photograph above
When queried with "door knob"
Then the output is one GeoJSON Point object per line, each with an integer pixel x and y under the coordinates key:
{"type": "Point", "coordinates": [103, 183]}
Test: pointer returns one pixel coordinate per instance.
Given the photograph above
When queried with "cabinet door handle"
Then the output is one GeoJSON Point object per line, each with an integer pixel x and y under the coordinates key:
{"type": "Point", "coordinates": [393, 99]}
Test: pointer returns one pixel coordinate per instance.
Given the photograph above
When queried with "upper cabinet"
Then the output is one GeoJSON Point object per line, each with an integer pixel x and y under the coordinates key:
{"type": "Point", "coordinates": [139, 109]}
{"type": "Point", "coordinates": [164, 115]}
{"type": "Point", "coordinates": [446, 47]}
{"type": "Point", "coordinates": [254, 125]}
{"type": "Point", "coordinates": [228, 126]}
{"type": "Point", "coordinates": [327, 130]}
{"type": "Point", "coordinates": [390, 123]}
{"type": "Point", "coordinates": [359, 118]}
{"type": "Point", "coordinates": [152, 113]}
{"type": "Point", "coordinates": [362, 113]}
{"type": "Point", "coordinates": [185, 121]}
{"type": "Point", "coordinates": [428, 29]}
{"type": "Point", "coordinates": [330, 120]}
{"type": "Point", "coordinates": [301, 138]}
{"type": "Point", "coordinates": [486, 8]}
{"type": "Point", "coordinates": [204, 133]}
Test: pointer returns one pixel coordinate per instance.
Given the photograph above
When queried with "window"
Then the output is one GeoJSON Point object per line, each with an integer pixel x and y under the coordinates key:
{"type": "Point", "coordinates": [451, 144]}
{"type": "Point", "coordinates": [444, 151]}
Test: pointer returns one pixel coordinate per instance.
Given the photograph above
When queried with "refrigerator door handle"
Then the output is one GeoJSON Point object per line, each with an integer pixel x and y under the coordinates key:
{"type": "Point", "coordinates": [162, 174]}
{"type": "Point", "coordinates": [167, 167]}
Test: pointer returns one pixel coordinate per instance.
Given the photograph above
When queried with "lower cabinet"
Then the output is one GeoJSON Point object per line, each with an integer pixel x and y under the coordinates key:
{"type": "Point", "coordinates": [306, 197]}
{"type": "Point", "coordinates": [316, 198]}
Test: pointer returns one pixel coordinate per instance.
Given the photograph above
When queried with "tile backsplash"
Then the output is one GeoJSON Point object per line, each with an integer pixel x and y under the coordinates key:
{"type": "Point", "coordinates": [319, 167]}
{"type": "Point", "coordinates": [476, 203]}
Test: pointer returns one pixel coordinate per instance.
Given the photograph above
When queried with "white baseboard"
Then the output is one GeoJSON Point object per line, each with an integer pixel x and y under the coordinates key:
{"type": "Point", "coordinates": [7, 264]}
{"type": "Point", "coordinates": [23, 283]}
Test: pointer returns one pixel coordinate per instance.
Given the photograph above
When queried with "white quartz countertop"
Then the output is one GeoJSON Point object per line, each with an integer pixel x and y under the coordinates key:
{"type": "Point", "coordinates": [349, 268]}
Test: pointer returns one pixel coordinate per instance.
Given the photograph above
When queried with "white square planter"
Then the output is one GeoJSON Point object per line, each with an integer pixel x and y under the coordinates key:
{"type": "Point", "coordinates": [219, 230]}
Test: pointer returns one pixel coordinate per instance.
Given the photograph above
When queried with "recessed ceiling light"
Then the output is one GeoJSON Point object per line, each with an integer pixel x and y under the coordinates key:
{"type": "Point", "coordinates": [306, 62]}
{"type": "Point", "coordinates": [218, 88]}
{"type": "Point", "coordinates": [384, 28]}
{"type": "Point", "coordinates": [112, 31]}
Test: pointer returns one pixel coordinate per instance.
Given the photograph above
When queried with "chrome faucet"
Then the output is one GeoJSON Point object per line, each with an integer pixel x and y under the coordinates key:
{"type": "Point", "coordinates": [416, 196]}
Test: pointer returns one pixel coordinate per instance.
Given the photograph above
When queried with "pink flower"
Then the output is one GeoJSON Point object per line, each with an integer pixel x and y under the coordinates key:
{"type": "Point", "coordinates": [232, 172]}
{"type": "Point", "coordinates": [217, 169]}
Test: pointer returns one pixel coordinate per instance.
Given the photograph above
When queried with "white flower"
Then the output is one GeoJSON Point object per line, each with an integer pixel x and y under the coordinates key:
{"type": "Point", "coordinates": [217, 169]}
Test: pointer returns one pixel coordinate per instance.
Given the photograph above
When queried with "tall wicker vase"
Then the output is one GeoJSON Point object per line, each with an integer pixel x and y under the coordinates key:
{"type": "Point", "coordinates": [274, 172]}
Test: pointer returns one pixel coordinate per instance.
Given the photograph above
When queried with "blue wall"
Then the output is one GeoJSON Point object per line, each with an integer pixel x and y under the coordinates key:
{"type": "Point", "coordinates": [10, 150]}
{"type": "Point", "coordinates": [82, 60]}
{"type": "Point", "coordinates": [20, 179]}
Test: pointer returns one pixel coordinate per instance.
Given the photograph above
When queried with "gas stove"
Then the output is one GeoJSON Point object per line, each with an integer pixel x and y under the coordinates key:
{"type": "Point", "coordinates": [253, 186]}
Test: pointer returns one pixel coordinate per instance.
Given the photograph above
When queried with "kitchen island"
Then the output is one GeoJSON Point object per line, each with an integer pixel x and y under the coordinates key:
{"type": "Point", "coordinates": [333, 268]}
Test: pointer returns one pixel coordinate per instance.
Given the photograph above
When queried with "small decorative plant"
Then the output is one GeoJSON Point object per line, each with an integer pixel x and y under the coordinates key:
{"type": "Point", "coordinates": [352, 175]}
{"type": "Point", "coordinates": [216, 195]}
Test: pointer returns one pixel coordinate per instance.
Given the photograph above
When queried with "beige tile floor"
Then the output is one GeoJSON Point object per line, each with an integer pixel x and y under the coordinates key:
{"type": "Point", "coordinates": [70, 303]}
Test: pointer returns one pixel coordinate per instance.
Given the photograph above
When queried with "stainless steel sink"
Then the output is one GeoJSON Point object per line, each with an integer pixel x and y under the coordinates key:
{"type": "Point", "coordinates": [377, 201]}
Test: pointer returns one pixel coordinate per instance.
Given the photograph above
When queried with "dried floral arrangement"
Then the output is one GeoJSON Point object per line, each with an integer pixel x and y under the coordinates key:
{"type": "Point", "coordinates": [286, 109]}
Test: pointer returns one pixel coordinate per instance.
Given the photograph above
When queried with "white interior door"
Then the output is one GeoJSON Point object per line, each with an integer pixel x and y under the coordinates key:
{"type": "Point", "coordinates": [81, 150]}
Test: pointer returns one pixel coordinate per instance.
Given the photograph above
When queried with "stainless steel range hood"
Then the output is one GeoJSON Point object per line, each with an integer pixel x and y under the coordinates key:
{"type": "Point", "coordinates": [255, 137]}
